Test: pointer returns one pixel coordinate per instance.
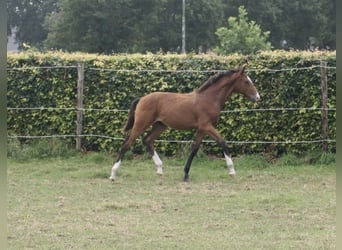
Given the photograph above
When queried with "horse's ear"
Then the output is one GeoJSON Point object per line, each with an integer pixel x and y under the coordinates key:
{"type": "Point", "coordinates": [241, 69]}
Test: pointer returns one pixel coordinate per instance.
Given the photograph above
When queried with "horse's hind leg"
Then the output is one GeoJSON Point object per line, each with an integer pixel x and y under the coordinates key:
{"type": "Point", "coordinates": [117, 163]}
{"type": "Point", "coordinates": [124, 148]}
{"type": "Point", "coordinates": [157, 129]}
{"type": "Point", "coordinates": [195, 146]}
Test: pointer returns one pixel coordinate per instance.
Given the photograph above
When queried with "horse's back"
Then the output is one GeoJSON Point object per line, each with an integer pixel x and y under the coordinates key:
{"type": "Point", "coordinates": [172, 100]}
{"type": "Point", "coordinates": [173, 109]}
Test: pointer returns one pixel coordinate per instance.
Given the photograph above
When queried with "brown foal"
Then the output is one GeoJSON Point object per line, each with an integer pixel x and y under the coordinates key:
{"type": "Point", "coordinates": [199, 110]}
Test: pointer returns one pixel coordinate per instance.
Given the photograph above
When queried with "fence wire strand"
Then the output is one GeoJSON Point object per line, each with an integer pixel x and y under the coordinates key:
{"type": "Point", "coordinates": [168, 141]}
{"type": "Point", "coordinates": [169, 71]}
{"type": "Point", "coordinates": [166, 70]}
{"type": "Point", "coordinates": [223, 111]}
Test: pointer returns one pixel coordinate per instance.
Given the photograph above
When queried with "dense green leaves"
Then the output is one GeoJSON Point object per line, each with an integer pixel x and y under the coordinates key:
{"type": "Point", "coordinates": [284, 80]}
{"type": "Point", "coordinates": [131, 25]}
{"type": "Point", "coordinates": [27, 18]}
{"type": "Point", "coordinates": [242, 36]}
{"type": "Point", "coordinates": [108, 26]}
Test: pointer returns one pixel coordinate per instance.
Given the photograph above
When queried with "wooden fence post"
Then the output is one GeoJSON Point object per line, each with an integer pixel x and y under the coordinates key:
{"type": "Point", "coordinates": [80, 84]}
{"type": "Point", "coordinates": [324, 84]}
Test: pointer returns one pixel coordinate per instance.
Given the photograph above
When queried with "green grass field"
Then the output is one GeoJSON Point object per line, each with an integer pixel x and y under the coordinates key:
{"type": "Point", "coordinates": [69, 203]}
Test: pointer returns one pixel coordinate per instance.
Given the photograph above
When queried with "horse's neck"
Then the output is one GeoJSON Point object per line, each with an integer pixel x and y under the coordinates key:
{"type": "Point", "coordinates": [219, 94]}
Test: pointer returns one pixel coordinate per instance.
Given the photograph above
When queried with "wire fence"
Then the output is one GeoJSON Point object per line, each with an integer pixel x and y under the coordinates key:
{"type": "Point", "coordinates": [171, 141]}
{"type": "Point", "coordinates": [167, 71]}
{"type": "Point", "coordinates": [78, 109]}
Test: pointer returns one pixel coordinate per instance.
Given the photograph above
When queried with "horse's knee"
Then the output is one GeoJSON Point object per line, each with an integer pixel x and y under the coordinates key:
{"type": "Point", "coordinates": [222, 143]}
{"type": "Point", "coordinates": [146, 141]}
{"type": "Point", "coordinates": [148, 144]}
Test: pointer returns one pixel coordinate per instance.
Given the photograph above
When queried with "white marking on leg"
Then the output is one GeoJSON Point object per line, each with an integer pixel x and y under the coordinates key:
{"type": "Point", "coordinates": [230, 165]}
{"type": "Point", "coordinates": [158, 163]}
{"type": "Point", "coordinates": [115, 169]}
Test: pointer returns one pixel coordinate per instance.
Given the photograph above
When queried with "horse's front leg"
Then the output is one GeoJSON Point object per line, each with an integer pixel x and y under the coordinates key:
{"type": "Point", "coordinates": [195, 146]}
{"type": "Point", "coordinates": [217, 137]}
{"type": "Point", "coordinates": [229, 161]}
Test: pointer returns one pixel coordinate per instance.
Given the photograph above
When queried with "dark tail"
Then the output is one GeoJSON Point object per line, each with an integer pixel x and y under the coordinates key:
{"type": "Point", "coordinates": [131, 116]}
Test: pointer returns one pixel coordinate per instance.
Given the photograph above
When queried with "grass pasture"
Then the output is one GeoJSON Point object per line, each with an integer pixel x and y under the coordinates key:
{"type": "Point", "coordinates": [68, 203]}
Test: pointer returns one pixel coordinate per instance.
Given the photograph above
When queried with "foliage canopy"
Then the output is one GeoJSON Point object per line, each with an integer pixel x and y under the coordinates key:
{"type": "Point", "coordinates": [242, 36]}
{"type": "Point", "coordinates": [119, 26]}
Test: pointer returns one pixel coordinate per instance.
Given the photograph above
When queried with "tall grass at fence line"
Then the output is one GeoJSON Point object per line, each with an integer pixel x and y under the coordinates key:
{"type": "Point", "coordinates": [56, 147]}
{"type": "Point", "coordinates": [39, 149]}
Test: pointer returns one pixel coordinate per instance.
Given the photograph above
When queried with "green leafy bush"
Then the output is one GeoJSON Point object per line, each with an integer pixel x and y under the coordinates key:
{"type": "Point", "coordinates": [284, 80]}
{"type": "Point", "coordinates": [242, 36]}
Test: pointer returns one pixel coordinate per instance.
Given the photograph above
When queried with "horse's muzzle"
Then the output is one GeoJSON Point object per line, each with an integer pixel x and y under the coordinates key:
{"type": "Point", "coordinates": [256, 97]}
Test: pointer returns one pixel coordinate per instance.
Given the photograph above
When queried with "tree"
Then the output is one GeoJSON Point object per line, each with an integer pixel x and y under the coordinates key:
{"type": "Point", "coordinates": [309, 23]}
{"type": "Point", "coordinates": [90, 26]}
{"type": "Point", "coordinates": [27, 16]}
{"type": "Point", "coordinates": [297, 21]}
{"type": "Point", "coordinates": [242, 36]}
{"type": "Point", "coordinates": [203, 18]}
{"type": "Point", "coordinates": [109, 26]}
{"type": "Point", "coordinates": [106, 26]}
{"type": "Point", "coordinates": [132, 26]}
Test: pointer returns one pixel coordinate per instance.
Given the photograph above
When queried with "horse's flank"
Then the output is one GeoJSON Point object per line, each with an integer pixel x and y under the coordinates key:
{"type": "Point", "coordinates": [171, 109]}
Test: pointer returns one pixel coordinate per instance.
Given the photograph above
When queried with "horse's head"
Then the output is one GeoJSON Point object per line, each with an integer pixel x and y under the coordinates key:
{"type": "Point", "coordinates": [244, 85]}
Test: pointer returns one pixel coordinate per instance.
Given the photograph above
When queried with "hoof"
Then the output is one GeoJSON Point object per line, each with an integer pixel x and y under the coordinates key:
{"type": "Point", "coordinates": [232, 172]}
{"type": "Point", "coordinates": [111, 179]}
{"type": "Point", "coordinates": [186, 178]}
{"type": "Point", "coordinates": [159, 172]}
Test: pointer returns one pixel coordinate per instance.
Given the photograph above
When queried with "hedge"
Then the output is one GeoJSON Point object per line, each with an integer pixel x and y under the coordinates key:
{"type": "Point", "coordinates": [284, 80]}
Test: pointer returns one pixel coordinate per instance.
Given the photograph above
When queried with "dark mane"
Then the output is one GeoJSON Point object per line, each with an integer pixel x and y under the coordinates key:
{"type": "Point", "coordinates": [214, 79]}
